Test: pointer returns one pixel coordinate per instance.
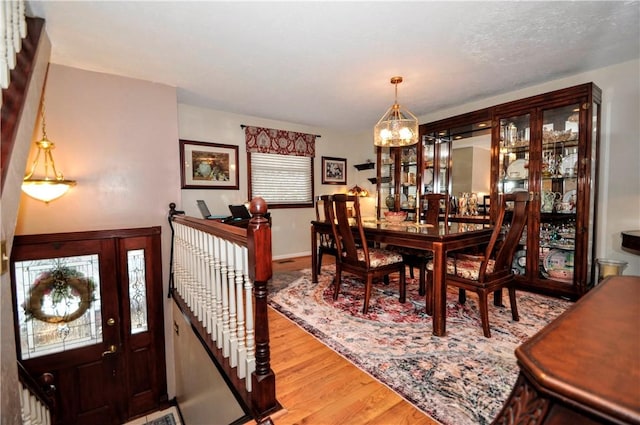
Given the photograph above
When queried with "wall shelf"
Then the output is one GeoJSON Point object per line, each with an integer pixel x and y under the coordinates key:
{"type": "Point", "coordinates": [366, 166]}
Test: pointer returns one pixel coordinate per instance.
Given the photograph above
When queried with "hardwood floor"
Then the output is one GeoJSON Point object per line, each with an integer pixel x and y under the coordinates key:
{"type": "Point", "coordinates": [315, 385]}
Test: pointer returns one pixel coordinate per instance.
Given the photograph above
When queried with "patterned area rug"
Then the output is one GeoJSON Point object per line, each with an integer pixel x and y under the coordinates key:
{"type": "Point", "coordinates": [463, 378]}
{"type": "Point", "coordinates": [167, 419]}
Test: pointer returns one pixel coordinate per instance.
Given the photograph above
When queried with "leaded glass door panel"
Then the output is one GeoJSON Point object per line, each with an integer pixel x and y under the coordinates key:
{"type": "Point", "coordinates": [88, 311]}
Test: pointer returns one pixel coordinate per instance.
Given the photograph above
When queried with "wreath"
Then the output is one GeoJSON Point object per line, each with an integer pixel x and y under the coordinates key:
{"type": "Point", "coordinates": [64, 286]}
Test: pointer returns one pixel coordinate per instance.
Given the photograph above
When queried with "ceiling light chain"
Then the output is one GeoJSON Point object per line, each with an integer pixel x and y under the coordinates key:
{"type": "Point", "coordinates": [46, 188]}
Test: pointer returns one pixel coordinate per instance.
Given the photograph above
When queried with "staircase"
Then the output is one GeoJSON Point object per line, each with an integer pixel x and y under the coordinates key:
{"type": "Point", "coordinates": [17, 80]}
{"type": "Point", "coordinates": [19, 40]}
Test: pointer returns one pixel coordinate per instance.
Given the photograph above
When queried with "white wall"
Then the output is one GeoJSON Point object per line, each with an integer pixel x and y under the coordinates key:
{"type": "Point", "coordinates": [290, 226]}
{"type": "Point", "coordinates": [118, 137]}
{"type": "Point", "coordinates": [619, 184]}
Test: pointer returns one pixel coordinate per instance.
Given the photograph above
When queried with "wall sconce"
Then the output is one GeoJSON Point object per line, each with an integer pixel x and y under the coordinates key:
{"type": "Point", "coordinates": [45, 187]}
{"type": "Point", "coordinates": [398, 126]}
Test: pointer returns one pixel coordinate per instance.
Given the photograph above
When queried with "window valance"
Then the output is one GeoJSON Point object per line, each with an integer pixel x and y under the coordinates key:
{"type": "Point", "coordinates": [281, 142]}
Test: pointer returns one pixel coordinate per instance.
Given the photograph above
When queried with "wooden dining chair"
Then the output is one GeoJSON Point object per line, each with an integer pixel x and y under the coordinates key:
{"type": "Point", "coordinates": [432, 206]}
{"type": "Point", "coordinates": [360, 259]}
{"type": "Point", "coordinates": [326, 241]}
{"type": "Point", "coordinates": [491, 271]}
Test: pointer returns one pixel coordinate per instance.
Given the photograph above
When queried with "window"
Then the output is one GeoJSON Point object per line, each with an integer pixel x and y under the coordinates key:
{"type": "Point", "coordinates": [280, 166]}
{"type": "Point", "coordinates": [281, 180]}
{"type": "Point", "coordinates": [53, 315]}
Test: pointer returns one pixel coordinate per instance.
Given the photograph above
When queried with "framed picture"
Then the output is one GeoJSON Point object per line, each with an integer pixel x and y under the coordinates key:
{"type": "Point", "coordinates": [334, 170]}
{"type": "Point", "coordinates": [208, 165]}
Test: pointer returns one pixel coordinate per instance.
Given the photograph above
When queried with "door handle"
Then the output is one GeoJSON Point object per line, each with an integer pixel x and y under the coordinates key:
{"type": "Point", "coordinates": [112, 349]}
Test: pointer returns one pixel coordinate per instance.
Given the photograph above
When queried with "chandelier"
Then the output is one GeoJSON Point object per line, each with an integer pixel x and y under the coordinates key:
{"type": "Point", "coordinates": [51, 184]}
{"type": "Point", "coordinates": [398, 126]}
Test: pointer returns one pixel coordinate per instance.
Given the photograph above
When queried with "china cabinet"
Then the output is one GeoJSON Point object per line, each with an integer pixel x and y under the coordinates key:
{"type": "Point", "coordinates": [456, 156]}
{"type": "Point", "coordinates": [547, 145]}
{"type": "Point", "coordinates": [398, 180]}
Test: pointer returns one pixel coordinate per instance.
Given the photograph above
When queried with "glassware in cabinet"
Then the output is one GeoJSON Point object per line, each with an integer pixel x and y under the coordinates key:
{"type": "Point", "coordinates": [386, 190]}
{"type": "Point", "coordinates": [398, 180]}
{"type": "Point", "coordinates": [559, 195]}
{"type": "Point", "coordinates": [408, 180]}
{"type": "Point", "coordinates": [436, 163]}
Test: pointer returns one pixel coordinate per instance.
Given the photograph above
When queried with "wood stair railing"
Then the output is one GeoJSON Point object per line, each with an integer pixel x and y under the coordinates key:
{"type": "Point", "coordinates": [219, 275]}
{"type": "Point", "coordinates": [13, 97]}
{"type": "Point", "coordinates": [36, 398]}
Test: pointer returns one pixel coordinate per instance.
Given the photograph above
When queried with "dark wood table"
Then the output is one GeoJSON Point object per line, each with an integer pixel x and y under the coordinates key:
{"type": "Point", "coordinates": [584, 367]}
{"type": "Point", "coordinates": [439, 240]}
{"type": "Point", "coordinates": [478, 219]}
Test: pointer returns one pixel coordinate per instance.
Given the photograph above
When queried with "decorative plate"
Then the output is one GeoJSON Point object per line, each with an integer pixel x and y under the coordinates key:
{"type": "Point", "coordinates": [568, 164]}
{"type": "Point", "coordinates": [517, 169]}
{"type": "Point", "coordinates": [519, 262]}
{"type": "Point", "coordinates": [570, 196]}
{"type": "Point", "coordinates": [558, 264]}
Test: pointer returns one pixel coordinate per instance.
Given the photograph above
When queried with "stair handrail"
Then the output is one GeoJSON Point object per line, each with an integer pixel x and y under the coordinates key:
{"type": "Point", "coordinates": [43, 391]}
{"type": "Point", "coordinates": [257, 389]}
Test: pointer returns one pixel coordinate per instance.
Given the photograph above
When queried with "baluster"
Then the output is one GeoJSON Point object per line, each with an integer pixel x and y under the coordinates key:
{"type": "Point", "coordinates": [233, 339]}
{"type": "Point", "coordinates": [215, 277]}
{"type": "Point", "coordinates": [208, 284]}
{"type": "Point", "coordinates": [179, 257]}
{"type": "Point", "coordinates": [4, 64]}
{"type": "Point", "coordinates": [185, 264]}
{"type": "Point", "coordinates": [201, 276]}
{"type": "Point", "coordinates": [25, 395]}
{"type": "Point", "coordinates": [192, 268]}
{"type": "Point", "coordinates": [241, 285]}
{"type": "Point", "coordinates": [225, 300]}
{"type": "Point", "coordinates": [189, 268]}
{"type": "Point", "coordinates": [220, 295]}
{"type": "Point", "coordinates": [194, 272]}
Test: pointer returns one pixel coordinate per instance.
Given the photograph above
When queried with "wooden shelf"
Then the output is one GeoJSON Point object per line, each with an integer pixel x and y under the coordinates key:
{"type": "Point", "coordinates": [365, 166]}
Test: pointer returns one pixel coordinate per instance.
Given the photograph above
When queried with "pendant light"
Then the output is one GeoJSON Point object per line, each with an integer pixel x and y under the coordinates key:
{"type": "Point", "coordinates": [51, 184]}
{"type": "Point", "coordinates": [398, 126]}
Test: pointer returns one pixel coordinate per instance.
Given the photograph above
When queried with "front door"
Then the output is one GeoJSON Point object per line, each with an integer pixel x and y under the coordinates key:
{"type": "Point", "coordinates": [88, 310]}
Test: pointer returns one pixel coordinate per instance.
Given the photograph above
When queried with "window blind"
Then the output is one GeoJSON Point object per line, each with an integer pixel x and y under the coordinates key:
{"type": "Point", "coordinates": [282, 179]}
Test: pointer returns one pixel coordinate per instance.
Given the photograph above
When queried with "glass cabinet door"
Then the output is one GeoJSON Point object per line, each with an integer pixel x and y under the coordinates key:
{"type": "Point", "coordinates": [398, 180]}
{"type": "Point", "coordinates": [428, 164]}
{"type": "Point", "coordinates": [436, 163]}
{"type": "Point", "coordinates": [514, 173]}
{"type": "Point", "coordinates": [409, 181]}
{"type": "Point", "coordinates": [559, 197]}
{"type": "Point", "coordinates": [443, 171]}
{"type": "Point", "coordinates": [386, 191]}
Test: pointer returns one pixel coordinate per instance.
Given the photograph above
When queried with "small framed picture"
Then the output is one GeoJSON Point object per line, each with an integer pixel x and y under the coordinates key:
{"type": "Point", "coordinates": [334, 170]}
{"type": "Point", "coordinates": [208, 165]}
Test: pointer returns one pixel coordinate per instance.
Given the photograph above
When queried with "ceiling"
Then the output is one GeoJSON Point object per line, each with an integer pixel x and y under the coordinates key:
{"type": "Point", "coordinates": [328, 64]}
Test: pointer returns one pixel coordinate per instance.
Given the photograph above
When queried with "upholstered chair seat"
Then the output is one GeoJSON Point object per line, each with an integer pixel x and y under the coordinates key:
{"type": "Point", "coordinates": [380, 257]}
{"type": "Point", "coordinates": [464, 267]}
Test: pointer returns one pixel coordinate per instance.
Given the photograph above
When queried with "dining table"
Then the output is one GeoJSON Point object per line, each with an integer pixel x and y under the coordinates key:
{"type": "Point", "coordinates": [438, 239]}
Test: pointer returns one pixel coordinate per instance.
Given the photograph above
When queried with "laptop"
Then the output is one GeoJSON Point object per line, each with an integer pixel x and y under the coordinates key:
{"type": "Point", "coordinates": [204, 210]}
{"type": "Point", "coordinates": [239, 212]}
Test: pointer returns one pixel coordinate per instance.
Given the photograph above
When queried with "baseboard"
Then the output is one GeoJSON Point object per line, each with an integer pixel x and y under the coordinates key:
{"type": "Point", "coordinates": [295, 255]}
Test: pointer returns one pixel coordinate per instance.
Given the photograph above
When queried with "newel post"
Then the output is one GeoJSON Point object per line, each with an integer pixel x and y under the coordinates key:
{"type": "Point", "coordinates": [259, 251]}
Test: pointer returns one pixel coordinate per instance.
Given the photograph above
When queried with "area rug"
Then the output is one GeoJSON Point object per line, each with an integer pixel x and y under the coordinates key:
{"type": "Point", "coordinates": [462, 378]}
{"type": "Point", "coordinates": [167, 419]}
